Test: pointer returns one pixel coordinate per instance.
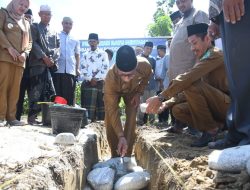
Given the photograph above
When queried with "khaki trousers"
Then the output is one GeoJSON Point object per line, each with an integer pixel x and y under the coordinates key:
{"type": "Point", "coordinates": [129, 129]}
{"type": "Point", "coordinates": [205, 109]}
{"type": "Point", "coordinates": [10, 78]}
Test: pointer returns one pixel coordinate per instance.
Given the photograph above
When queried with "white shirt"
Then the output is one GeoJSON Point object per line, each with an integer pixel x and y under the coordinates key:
{"type": "Point", "coordinates": [94, 64]}
{"type": "Point", "coordinates": [68, 48]}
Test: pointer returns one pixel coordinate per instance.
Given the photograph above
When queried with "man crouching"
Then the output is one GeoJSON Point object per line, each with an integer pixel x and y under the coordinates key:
{"type": "Point", "coordinates": [127, 79]}
{"type": "Point", "coordinates": [205, 88]}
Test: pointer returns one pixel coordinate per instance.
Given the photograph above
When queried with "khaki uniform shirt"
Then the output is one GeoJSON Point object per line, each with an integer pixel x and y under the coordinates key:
{"type": "Point", "coordinates": [181, 58]}
{"type": "Point", "coordinates": [115, 88]}
{"type": "Point", "coordinates": [11, 35]}
{"type": "Point", "coordinates": [209, 69]}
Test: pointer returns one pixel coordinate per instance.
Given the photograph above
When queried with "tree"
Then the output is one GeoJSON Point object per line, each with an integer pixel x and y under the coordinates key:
{"type": "Point", "coordinates": [162, 25]}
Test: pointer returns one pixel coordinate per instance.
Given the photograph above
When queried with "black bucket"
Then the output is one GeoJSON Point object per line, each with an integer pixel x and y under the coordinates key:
{"type": "Point", "coordinates": [66, 119]}
{"type": "Point", "coordinates": [85, 118]}
{"type": "Point", "coordinates": [46, 117]}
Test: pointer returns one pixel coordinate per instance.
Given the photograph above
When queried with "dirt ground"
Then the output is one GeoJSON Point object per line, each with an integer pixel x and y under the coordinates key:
{"type": "Point", "coordinates": [173, 164]}
{"type": "Point", "coordinates": [181, 166]}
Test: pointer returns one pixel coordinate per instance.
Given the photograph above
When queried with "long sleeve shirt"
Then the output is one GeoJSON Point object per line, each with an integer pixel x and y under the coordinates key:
{"type": "Point", "coordinates": [11, 35]}
{"type": "Point", "coordinates": [115, 88]}
{"type": "Point", "coordinates": [210, 69]}
{"type": "Point", "coordinates": [94, 64]}
{"type": "Point", "coordinates": [46, 42]}
{"type": "Point", "coordinates": [69, 47]}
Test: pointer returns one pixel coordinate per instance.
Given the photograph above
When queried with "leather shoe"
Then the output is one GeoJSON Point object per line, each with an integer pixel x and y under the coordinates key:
{"type": "Point", "coordinates": [15, 123]}
{"type": "Point", "coordinates": [203, 140]}
{"type": "Point", "coordinates": [221, 144]}
{"type": "Point", "coordinates": [174, 129]}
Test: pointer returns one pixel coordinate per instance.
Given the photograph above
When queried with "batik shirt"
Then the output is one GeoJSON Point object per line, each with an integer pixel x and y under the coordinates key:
{"type": "Point", "coordinates": [94, 64]}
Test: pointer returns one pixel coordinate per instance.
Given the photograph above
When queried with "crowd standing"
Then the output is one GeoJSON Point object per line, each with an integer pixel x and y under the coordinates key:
{"type": "Point", "coordinates": [202, 87]}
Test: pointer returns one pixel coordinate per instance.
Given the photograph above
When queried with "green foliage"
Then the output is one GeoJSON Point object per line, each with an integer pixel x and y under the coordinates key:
{"type": "Point", "coordinates": [78, 93]}
{"type": "Point", "coordinates": [161, 27]}
{"type": "Point", "coordinates": [166, 3]}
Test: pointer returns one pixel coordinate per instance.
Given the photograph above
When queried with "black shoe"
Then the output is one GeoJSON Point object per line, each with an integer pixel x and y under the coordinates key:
{"type": "Point", "coordinates": [174, 129]}
{"type": "Point", "coordinates": [221, 144]}
{"type": "Point", "coordinates": [203, 140]}
{"type": "Point", "coordinates": [15, 123]}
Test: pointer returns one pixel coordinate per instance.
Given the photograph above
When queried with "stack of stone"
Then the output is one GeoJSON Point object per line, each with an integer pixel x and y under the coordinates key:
{"type": "Point", "coordinates": [119, 174]}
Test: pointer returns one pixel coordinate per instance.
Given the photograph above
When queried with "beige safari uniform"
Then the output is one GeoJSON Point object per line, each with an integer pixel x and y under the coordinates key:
{"type": "Point", "coordinates": [114, 89]}
{"type": "Point", "coordinates": [205, 87]}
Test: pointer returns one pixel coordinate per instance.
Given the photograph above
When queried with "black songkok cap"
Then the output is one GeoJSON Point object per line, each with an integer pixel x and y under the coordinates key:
{"type": "Point", "coordinates": [161, 47]}
{"type": "Point", "coordinates": [175, 15]}
{"type": "Point", "coordinates": [28, 12]}
{"type": "Point", "coordinates": [149, 44]}
{"type": "Point", "coordinates": [125, 59]}
{"type": "Point", "coordinates": [200, 28]}
{"type": "Point", "coordinates": [93, 36]}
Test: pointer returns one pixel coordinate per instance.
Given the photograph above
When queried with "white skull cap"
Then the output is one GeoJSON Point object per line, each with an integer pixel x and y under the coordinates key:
{"type": "Point", "coordinates": [45, 8]}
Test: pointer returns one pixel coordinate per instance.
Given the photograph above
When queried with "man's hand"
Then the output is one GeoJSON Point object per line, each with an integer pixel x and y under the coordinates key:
{"type": "Point", "coordinates": [135, 100]}
{"type": "Point", "coordinates": [93, 82]}
{"type": "Point", "coordinates": [153, 105]}
{"type": "Point", "coordinates": [78, 73]}
{"type": "Point", "coordinates": [14, 53]}
{"type": "Point", "coordinates": [213, 31]}
{"type": "Point", "coordinates": [122, 146]}
{"type": "Point", "coordinates": [48, 61]}
{"type": "Point", "coordinates": [22, 57]}
{"type": "Point", "coordinates": [162, 107]}
{"type": "Point", "coordinates": [233, 10]}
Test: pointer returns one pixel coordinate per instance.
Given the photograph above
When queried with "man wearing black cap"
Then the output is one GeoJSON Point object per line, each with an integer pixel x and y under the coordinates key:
{"type": "Point", "coordinates": [151, 88]}
{"type": "Point", "coordinates": [205, 87]}
{"type": "Point", "coordinates": [175, 17]}
{"type": "Point", "coordinates": [181, 58]}
{"type": "Point", "coordinates": [127, 79]}
{"type": "Point", "coordinates": [95, 65]}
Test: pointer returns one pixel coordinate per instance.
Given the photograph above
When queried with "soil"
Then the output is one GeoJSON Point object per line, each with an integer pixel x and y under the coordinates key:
{"type": "Point", "coordinates": [181, 166]}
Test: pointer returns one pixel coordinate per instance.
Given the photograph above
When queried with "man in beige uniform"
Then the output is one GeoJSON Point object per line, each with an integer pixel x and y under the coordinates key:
{"type": "Point", "coordinates": [181, 58]}
{"type": "Point", "coordinates": [205, 88]}
{"type": "Point", "coordinates": [127, 79]}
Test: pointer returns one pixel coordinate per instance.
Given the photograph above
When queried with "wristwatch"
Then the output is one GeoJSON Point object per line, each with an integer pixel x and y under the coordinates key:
{"type": "Point", "coordinates": [161, 98]}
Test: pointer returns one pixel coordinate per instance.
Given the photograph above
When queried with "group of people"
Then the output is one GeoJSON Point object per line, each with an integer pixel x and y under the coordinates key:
{"type": "Point", "coordinates": [205, 89]}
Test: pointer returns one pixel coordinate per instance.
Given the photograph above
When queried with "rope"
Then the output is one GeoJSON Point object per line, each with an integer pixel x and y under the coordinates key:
{"type": "Point", "coordinates": [178, 179]}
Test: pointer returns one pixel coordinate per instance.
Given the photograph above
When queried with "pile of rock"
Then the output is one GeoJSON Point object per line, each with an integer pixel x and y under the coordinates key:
{"type": "Point", "coordinates": [119, 174]}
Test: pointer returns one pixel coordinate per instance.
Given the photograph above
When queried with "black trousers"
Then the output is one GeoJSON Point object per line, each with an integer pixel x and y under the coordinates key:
{"type": "Point", "coordinates": [24, 86]}
{"type": "Point", "coordinates": [236, 41]}
{"type": "Point", "coordinates": [65, 85]}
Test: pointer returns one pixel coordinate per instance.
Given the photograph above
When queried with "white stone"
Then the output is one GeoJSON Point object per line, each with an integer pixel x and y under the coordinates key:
{"type": "Point", "coordinates": [101, 178]}
{"type": "Point", "coordinates": [65, 139]}
{"type": "Point", "coordinates": [230, 159]}
{"type": "Point", "coordinates": [248, 167]}
{"type": "Point", "coordinates": [137, 169]}
{"type": "Point", "coordinates": [133, 181]}
{"type": "Point", "coordinates": [127, 163]}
